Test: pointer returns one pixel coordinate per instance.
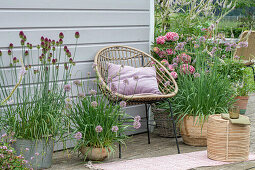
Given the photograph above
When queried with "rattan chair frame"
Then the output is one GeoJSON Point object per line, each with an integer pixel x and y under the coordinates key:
{"type": "Point", "coordinates": [124, 55]}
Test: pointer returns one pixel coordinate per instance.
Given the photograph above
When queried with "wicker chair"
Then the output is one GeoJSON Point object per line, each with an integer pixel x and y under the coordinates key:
{"type": "Point", "coordinates": [124, 55]}
{"type": "Point", "coordinates": [249, 52]}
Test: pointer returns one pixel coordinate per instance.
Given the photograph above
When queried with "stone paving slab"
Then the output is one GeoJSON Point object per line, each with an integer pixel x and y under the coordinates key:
{"type": "Point", "coordinates": [137, 147]}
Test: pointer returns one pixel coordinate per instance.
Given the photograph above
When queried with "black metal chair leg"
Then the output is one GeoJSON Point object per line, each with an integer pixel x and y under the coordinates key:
{"type": "Point", "coordinates": [174, 127]}
{"type": "Point", "coordinates": [147, 119]}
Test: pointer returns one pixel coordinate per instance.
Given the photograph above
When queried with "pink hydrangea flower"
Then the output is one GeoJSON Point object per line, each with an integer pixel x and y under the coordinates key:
{"type": "Point", "coordinates": [99, 129]}
{"type": "Point", "coordinates": [174, 74]}
{"type": "Point", "coordinates": [171, 67]}
{"type": "Point", "coordinates": [184, 58]}
{"type": "Point", "coordinates": [156, 50]}
{"type": "Point", "coordinates": [171, 36]}
{"type": "Point", "coordinates": [169, 51]}
{"type": "Point", "coordinates": [115, 128]}
{"type": "Point", "coordinates": [78, 135]}
{"type": "Point", "coordinates": [161, 40]}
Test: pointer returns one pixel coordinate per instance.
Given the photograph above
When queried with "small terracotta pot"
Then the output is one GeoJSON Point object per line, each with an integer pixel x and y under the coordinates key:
{"type": "Point", "coordinates": [242, 103]}
{"type": "Point", "coordinates": [94, 154]}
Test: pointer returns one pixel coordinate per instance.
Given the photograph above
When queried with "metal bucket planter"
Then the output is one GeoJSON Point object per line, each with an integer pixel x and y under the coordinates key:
{"type": "Point", "coordinates": [94, 154]}
{"type": "Point", "coordinates": [45, 150]}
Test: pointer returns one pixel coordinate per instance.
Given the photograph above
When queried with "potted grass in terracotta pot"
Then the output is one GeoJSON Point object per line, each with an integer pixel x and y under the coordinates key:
{"type": "Point", "coordinates": [202, 92]}
{"type": "Point", "coordinates": [97, 124]}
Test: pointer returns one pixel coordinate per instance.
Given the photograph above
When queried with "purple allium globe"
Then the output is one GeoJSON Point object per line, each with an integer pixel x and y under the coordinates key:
{"type": "Point", "coordinates": [67, 87]}
{"type": "Point", "coordinates": [77, 35]}
{"type": "Point", "coordinates": [78, 135]}
{"type": "Point", "coordinates": [61, 35]}
{"type": "Point", "coordinates": [137, 125]}
{"type": "Point", "coordinates": [77, 82]}
{"type": "Point", "coordinates": [115, 129]}
{"type": "Point", "coordinates": [94, 104]}
{"type": "Point", "coordinates": [99, 129]}
{"type": "Point", "coordinates": [93, 92]}
{"type": "Point", "coordinates": [123, 104]}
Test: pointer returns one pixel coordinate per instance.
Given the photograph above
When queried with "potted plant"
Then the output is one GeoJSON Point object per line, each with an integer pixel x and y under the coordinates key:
{"type": "Point", "coordinates": [34, 113]}
{"type": "Point", "coordinates": [97, 124]}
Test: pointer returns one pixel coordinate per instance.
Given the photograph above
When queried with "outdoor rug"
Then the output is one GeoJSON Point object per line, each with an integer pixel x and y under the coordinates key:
{"type": "Point", "coordinates": [169, 162]}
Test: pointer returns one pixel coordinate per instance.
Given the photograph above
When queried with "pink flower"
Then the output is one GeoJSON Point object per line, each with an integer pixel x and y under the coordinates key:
{"type": "Point", "coordinates": [4, 147]}
{"type": "Point", "coordinates": [77, 82]}
{"type": "Point", "coordinates": [77, 35]}
{"type": "Point", "coordinates": [27, 149]}
{"type": "Point", "coordinates": [156, 50]}
{"type": "Point", "coordinates": [115, 128]}
{"type": "Point", "coordinates": [174, 74]}
{"type": "Point", "coordinates": [36, 153]}
{"type": "Point", "coordinates": [137, 118]}
{"type": "Point", "coordinates": [99, 129]}
{"type": "Point", "coordinates": [78, 135]}
{"type": "Point", "coordinates": [161, 69]}
{"type": "Point", "coordinates": [4, 135]}
{"type": "Point", "coordinates": [164, 61]}
{"type": "Point", "coordinates": [32, 158]}
{"type": "Point", "coordinates": [137, 125]}
{"type": "Point", "coordinates": [169, 51]}
{"type": "Point", "coordinates": [94, 104]}
{"type": "Point", "coordinates": [184, 68]}
{"type": "Point", "coordinates": [24, 161]}
{"type": "Point", "coordinates": [61, 35]}
{"type": "Point", "coordinates": [171, 67]}
{"type": "Point", "coordinates": [161, 40]}
{"type": "Point", "coordinates": [184, 58]}
{"type": "Point", "coordinates": [162, 54]}
{"type": "Point", "coordinates": [93, 92]}
{"type": "Point", "coordinates": [123, 104]}
{"type": "Point", "coordinates": [10, 151]}
{"type": "Point", "coordinates": [171, 36]}
{"type": "Point", "coordinates": [81, 95]}
{"type": "Point", "coordinates": [67, 87]}
{"type": "Point", "coordinates": [192, 69]}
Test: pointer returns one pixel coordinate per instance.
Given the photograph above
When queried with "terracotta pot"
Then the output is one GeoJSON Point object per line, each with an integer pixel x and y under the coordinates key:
{"type": "Point", "coordinates": [194, 134]}
{"type": "Point", "coordinates": [242, 103]}
{"type": "Point", "coordinates": [94, 154]}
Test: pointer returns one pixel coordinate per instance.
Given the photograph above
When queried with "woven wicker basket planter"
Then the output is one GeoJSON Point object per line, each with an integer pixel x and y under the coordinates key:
{"type": "Point", "coordinates": [193, 133]}
{"type": "Point", "coordinates": [226, 141]}
{"type": "Point", "coordinates": [164, 125]}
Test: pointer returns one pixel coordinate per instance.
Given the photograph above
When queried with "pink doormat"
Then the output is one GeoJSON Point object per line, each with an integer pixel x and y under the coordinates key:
{"type": "Point", "coordinates": [169, 162]}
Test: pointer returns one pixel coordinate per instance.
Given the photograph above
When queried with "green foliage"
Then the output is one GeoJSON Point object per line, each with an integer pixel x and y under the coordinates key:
{"type": "Point", "coordinates": [93, 111]}
{"type": "Point", "coordinates": [8, 158]}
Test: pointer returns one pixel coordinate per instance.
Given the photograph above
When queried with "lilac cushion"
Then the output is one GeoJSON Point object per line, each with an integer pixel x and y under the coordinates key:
{"type": "Point", "coordinates": [128, 80]}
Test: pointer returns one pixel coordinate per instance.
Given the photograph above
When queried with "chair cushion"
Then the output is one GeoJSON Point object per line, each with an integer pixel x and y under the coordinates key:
{"type": "Point", "coordinates": [128, 80]}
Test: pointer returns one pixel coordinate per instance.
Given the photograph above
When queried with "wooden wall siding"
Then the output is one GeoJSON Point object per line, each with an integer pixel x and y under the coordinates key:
{"type": "Point", "coordinates": [101, 23]}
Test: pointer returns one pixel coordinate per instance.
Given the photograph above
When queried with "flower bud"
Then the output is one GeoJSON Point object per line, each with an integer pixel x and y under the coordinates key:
{"type": "Point", "coordinates": [61, 35]}
{"type": "Point", "coordinates": [53, 49]}
{"type": "Point", "coordinates": [54, 61]}
{"type": "Point", "coordinates": [26, 53]}
{"type": "Point", "coordinates": [60, 41]}
{"type": "Point", "coordinates": [70, 60]}
{"type": "Point", "coordinates": [50, 54]}
{"type": "Point", "coordinates": [9, 52]}
{"type": "Point", "coordinates": [11, 46]}
{"type": "Point", "coordinates": [42, 44]}
{"type": "Point", "coordinates": [65, 48]}
{"type": "Point", "coordinates": [29, 66]}
{"type": "Point", "coordinates": [1, 53]}
{"type": "Point", "coordinates": [22, 42]}
{"type": "Point", "coordinates": [30, 46]}
{"type": "Point", "coordinates": [77, 35]}
{"type": "Point", "coordinates": [40, 58]}
{"type": "Point", "coordinates": [26, 67]}
{"type": "Point", "coordinates": [53, 42]}
{"type": "Point", "coordinates": [57, 67]}
{"type": "Point", "coordinates": [21, 34]}
{"type": "Point", "coordinates": [57, 43]}
{"type": "Point", "coordinates": [24, 38]}
{"type": "Point", "coordinates": [46, 40]}
{"type": "Point", "coordinates": [14, 59]}
{"type": "Point", "coordinates": [11, 64]}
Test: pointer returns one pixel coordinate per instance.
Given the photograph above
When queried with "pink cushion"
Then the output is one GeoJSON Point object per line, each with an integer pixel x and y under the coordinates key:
{"type": "Point", "coordinates": [128, 80]}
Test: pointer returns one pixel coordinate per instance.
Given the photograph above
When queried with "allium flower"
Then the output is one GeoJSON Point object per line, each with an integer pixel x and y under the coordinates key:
{"type": "Point", "coordinates": [10, 151]}
{"type": "Point", "coordinates": [156, 50]}
{"type": "Point", "coordinates": [81, 95]}
{"type": "Point", "coordinates": [78, 135]}
{"type": "Point", "coordinates": [99, 129]}
{"type": "Point", "coordinates": [171, 36]}
{"type": "Point", "coordinates": [77, 35]}
{"type": "Point", "coordinates": [93, 92]}
{"type": "Point", "coordinates": [171, 67]}
{"type": "Point", "coordinates": [4, 147]}
{"type": "Point", "coordinates": [68, 102]}
{"type": "Point", "coordinates": [77, 82]}
{"type": "Point", "coordinates": [237, 57]}
{"type": "Point", "coordinates": [243, 44]}
{"type": "Point", "coordinates": [54, 61]}
{"type": "Point", "coordinates": [94, 104]}
{"type": "Point", "coordinates": [21, 34]}
{"type": "Point", "coordinates": [11, 46]}
{"type": "Point", "coordinates": [1, 155]}
{"type": "Point", "coordinates": [137, 125]}
{"type": "Point", "coordinates": [161, 40]}
{"type": "Point", "coordinates": [137, 118]}
{"type": "Point", "coordinates": [202, 39]}
{"type": "Point", "coordinates": [174, 74]}
{"type": "Point", "coordinates": [196, 75]}
{"type": "Point", "coordinates": [180, 46]}
{"type": "Point", "coordinates": [61, 35]}
{"type": "Point", "coordinates": [24, 161]}
{"type": "Point", "coordinates": [32, 158]}
{"type": "Point", "coordinates": [60, 41]}
{"type": "Point", "coordinates": [123, 104]}
{"type": "Point", "coordinates": [176, 60]}
{"type": "Point", "coordinates": [9, 52]}
{"type": "Point", "coordinates": [228, 48]}
{"type": "Point", "coordinates": [115, 129]}
{"type": "Point", "coordinates": [169, 52]}
{"type": "Point", "coordinates": [67, 87]}
{"type": "Point", "coordinates": [36, 153]}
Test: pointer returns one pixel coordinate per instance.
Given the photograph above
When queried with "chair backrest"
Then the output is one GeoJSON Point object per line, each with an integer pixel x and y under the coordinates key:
{"type": "Point", "coordinates": [124, 55]}
{"type": "Point", "coordinates": [249, 52]}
